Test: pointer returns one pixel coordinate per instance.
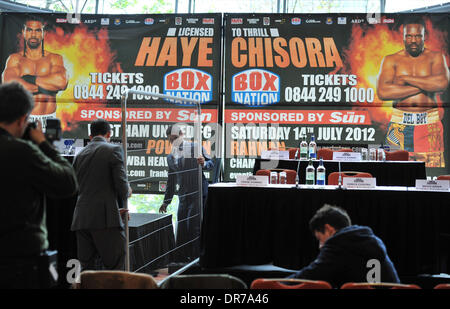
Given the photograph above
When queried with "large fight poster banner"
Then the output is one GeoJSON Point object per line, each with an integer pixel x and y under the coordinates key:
{"type": "Point", "coordinates": [78, 67]}
{"type": "Point", "coordinates": [350, 80]}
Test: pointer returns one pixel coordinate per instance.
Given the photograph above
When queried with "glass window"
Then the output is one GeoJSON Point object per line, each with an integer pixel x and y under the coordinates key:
{"type": "Point", "coordinates": [137, 7]}
{"type": "Point", "coordinates": [236, 6]}
{"type": "Point", "coordinates": [105, 6]}
{"type": "Point", "coordinates": [231, 6]}
{"type": "Point", "coordinates": [332, 6]}
{"type": "Point", "coordinates": [393, 6]}
{"type": "Point", "coordinates": [183, 6]}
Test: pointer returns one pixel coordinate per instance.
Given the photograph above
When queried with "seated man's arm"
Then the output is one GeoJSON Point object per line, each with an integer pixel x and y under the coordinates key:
{"type": "Point", "coordinates": [387, 86]}
{"type": "Point", "coordinates": [325, 267]}
{"type": "Point", "coordinates": [437, 81]}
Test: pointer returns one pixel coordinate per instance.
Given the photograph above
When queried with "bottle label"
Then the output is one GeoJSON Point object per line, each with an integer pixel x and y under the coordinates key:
{"type": "Point", "coordinates": [320, 176]}
{"type": "Point", "coordinates": [309, 176]}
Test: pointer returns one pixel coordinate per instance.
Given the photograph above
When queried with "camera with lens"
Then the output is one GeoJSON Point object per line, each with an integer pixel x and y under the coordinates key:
{"type": "Point", "coordinates": [26, 134]}
{"type": "Point", "coordinates": [52, 133]}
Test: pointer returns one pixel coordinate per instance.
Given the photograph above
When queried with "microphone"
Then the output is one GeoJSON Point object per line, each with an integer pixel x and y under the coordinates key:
{"type": "Point", "coordinates": [340, 176]}
{"type": "Point", "coordinates": [297, 153]}
{"type": "Point", "coordinates": [297, 179]}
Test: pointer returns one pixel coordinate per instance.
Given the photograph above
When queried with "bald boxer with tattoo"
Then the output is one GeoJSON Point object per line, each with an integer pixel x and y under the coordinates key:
{"type": "Point", "coordinates": [411, 78]}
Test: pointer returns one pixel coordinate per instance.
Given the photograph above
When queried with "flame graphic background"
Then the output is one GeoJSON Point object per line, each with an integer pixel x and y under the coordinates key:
{"type": "Point", "coordinates": [84, 51]}
{"type": "Point", "coordinates": [369, 45]}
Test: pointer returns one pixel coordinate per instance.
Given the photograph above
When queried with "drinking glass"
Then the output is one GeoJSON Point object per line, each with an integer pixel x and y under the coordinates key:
{"type": "Point", "coordinates": [372, 154]}
{"type": "Point", "coordinates": [283, 178]}
{"type": "Point", "coordinates": [381, 156]}
{"type": "Point", "coordinates": [273, 177]}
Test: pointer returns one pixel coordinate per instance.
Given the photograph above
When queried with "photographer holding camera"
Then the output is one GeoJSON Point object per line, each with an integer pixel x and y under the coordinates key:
{"type": "Point", "coordinates": [30, 171]}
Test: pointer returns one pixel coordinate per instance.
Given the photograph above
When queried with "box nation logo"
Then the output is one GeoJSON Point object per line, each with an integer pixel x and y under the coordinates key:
{"type": "Point", "coordinates": [188, 83]}
{"type": "Point", "coordinates": [255, 87]}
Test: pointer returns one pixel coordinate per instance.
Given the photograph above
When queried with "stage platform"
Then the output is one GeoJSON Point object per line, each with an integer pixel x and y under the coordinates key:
{"type": "Point", "coordinates": [151, 238]}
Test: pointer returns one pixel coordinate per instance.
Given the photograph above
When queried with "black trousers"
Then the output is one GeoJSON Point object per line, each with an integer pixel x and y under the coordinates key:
{"type": "Point", "coordinates": [188, 230]}
{"type": "Point", "coordinates": [103, 245]}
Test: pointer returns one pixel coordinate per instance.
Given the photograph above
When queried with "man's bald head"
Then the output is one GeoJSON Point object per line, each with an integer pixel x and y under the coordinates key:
{"type": "Point", "coordinates": [414, 35]}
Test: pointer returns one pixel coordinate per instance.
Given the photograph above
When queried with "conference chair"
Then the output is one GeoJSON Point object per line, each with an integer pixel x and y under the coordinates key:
{"type": "Point", "coordinates": [345, 150]}
{"type": "Point", "coordinates": [203, 281]}
{"type": "Point", "coordinates": [114, 279]}
{"type": "Point", "coordinates": [263, 172]}
{"type": "Point", "coordinates": [381, 285]}
{"type": "Point", "coordinates": [442, 286]}
{"type": "Point", "coordinates": [262, 283]}
{"type": "Point", "coordinates": [293, 151]}
{"type": "Point", "coordinates": [290, 175]}
{"type": "Point", "coordinates": [333, 178]}
{"type": "Point", "coordinates": [443, 177]}
{"type": "Point", "coordinates": [397, 155]}
{"type": "Point", "coordinates": [325, 154]}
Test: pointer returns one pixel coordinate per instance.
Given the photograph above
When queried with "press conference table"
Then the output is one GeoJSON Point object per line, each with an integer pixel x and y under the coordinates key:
{"type": "Point", "coordinates": [387, 173]}
{"type": "Point", "coordinates": [263, 225]}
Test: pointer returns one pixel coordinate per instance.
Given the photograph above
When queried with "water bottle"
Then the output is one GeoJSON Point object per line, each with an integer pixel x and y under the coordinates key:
{"type": "Point", "coordinates": [321, 173]}
{"type": "Point", "coordinates": [310, 173]}
{"type": "Point", "coordinates": [312, 148]}
{"type": "Point", "coordinates": [303, 150]}
{"type": "Point", "coordinates": [364, 155]}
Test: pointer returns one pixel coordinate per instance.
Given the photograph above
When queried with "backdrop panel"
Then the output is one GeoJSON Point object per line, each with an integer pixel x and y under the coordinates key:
{"type": "Point", "coordinates": [89, 61]}
{"type": "Point", "coordinates": [291, 76]}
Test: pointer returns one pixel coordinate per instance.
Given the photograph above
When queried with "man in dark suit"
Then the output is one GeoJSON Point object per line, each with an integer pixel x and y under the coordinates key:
{"type": "Point", "coordinates": [103, 189]}
{"type": "Point", "coordinates": [183, 172]}
{"type": "Point", "coordinates": [347, 252]}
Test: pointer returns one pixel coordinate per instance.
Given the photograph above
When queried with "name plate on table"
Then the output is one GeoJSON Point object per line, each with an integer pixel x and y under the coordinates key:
{"type": "Point", "coordinates": [432, 185]}
{"type": "Point", "coordinates": [275, 154]}
{"type": "Point", "coordinates": [347, 156]}
{"type": "Point", "coordinates": [360, 183]}
{"type": "Point", "coordinates": [255, 181]}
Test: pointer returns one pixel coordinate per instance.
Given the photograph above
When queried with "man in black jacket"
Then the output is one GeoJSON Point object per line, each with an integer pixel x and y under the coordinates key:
{"type": "Point", "coordinates": [30, 170]}
{"type": "Point", "coordinates": [348, 253]}
{"type": "Point", "coordinates": [183, 172]}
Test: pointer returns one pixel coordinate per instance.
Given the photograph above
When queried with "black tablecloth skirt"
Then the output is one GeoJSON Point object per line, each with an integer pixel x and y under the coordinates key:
{"type": "Point", "coordinates": [253, 226]}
